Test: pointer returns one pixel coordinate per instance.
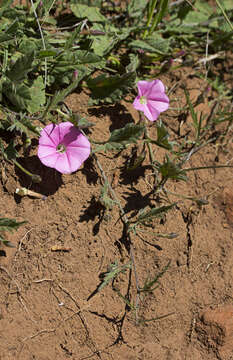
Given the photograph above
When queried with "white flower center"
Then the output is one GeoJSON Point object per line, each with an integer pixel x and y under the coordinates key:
{"type": "Point", "coordinates": [143, 100]}
{"type": "Point", "coordinates": [61, 148]}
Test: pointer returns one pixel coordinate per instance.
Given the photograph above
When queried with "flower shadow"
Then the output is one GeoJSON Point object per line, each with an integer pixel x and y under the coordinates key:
{"type": "Point", "coordinates": [89, 171]}
{"type": "Point", "coordinates": [132, 176]}
{"type": "Point", "coordinates": [135, 201]}
{"type": "Point", "coordinates": [51, 179]}
{"type": "Point", "coordinates": [117, 113]}
{"type": "Point", "coordinates": [93, 211]}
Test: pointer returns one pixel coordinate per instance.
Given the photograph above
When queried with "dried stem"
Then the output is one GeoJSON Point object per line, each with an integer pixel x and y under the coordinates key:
{"type": "Point", "coordinates": [126, 223]}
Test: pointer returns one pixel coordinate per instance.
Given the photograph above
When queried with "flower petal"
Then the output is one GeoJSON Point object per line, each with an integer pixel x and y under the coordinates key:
{"type": "Point", "coordinates": [77, 151]}
{"type": "Point", "coordinates": [46, 150]}
{"type": "Point", "coordinates": [50, 135]}
{"type": "Point", "coordinates": [77, 156]}
{"type": "Point", "coordinates": [156, 87]}
{"type": "Point", "coordinates": [63, 164]}
{"type": "Point", "coordinates": [152, 113]}
{"type": "Point", "coordinates": [47, 155]}
{"type": "Point", "coordinates": [144, 87]}
{"type": "Point", "coordinates": [68, 132]}
{"type": "Point", "coordinates": [77, 147]}
{"type": "Point", "coordinates": [159, 105]}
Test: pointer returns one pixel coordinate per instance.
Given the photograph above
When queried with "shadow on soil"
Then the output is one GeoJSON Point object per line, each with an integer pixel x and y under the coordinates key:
{"type": "Point", "coordinates": [34, 165]}
{"type": "Point", "coordinates": [117, 113]}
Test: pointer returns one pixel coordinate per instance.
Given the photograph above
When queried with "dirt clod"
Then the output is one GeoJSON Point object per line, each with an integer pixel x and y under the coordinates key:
{"type": "Point", "coordinates": [215, 330]}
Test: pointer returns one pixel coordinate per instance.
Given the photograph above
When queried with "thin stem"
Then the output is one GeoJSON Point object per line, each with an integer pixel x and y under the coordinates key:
{"type": "Point", "coordinates": [184, 196]}
{"type": "Point", "coordinates": [126, 222]}
{"type": "Point", "coordinates": [124, 216]}
{"type": "Point", "coordinates": [146, 136]}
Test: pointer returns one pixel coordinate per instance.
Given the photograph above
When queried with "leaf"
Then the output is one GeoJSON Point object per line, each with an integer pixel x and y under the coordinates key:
{"type": "Point", "coordinates": [184, 9]}
{"type": "Point", "coordinates": [27, 45]}
{"type": "Point", "coordinates": [90, 12]}
{"type": "Point", "coordinates": [83, 61]}
{"type": "Point", "coordinates": [9, 152]}
{"type": "Point", "coordinates": [107, 147]}
{"type": "Point", "coordinates": [162, 136]}
{"type": "Point", "coordinates": [47, 53]}
{"type": "Point", "coordinates": [60, 95]}
{"type": "Point", "coordinates": [113, 270]}
{"type": "Point", "coordinates": [9, 225]}
{"type": "Point", "coordinates": [154, 212]}
{"type": "Point", "coordinates": [134, 63]}
{"type": "Point", "coordinates": [120, 138]}
{"type": "Point", "coordinates": [161, 11]}
{"type": "Point", "coordinates": [136, 7]}
{"type": "Point", "coordinates": [22, 66]}
{"type": "Point", "coordinates": [169, 170]}
{"type": "Point", "coordinates": [24, 126]}
{"type": "Point", "coordinates": [105, 200]}
{"type": "Point", "coordinates": [37, 93]}
{"type": "Point", "coordinates": [148, 284]}
{"type": "Point", "coordinates": [153, 44]}
{"type": "Point", "coordinates": [74, 36]}
{"type": "Point", "coordinates": [102, 45]}
{"type": "Point", "coordinates": [17, 94]}
{"type": "Point", "coordinates": [110, 88]}
{"type": "Point", "coordinates": [127, 135]}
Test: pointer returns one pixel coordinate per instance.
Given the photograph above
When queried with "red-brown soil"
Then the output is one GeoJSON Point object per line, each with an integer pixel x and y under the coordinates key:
{"type": "Point", "coordinates": [46, 311]}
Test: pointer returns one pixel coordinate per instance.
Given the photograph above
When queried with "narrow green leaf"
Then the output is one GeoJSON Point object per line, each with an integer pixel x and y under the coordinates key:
{"type": "Point", "coordinates": [10, 224]}
{"type": "Point", "coordinates": [47, 53]}
{"type": "Point", "coordinates": [113, 271]}
{"type": "Point", "coordinates": [149, 284]}
{"type": "Point", "coordinates": [155, 212]}
{"type": "Point", "coordinates": [73, 37]}
{"type": "Point", "coordinates": [160, 14]}
{"type": "Point", "coordinates": [191, 109]}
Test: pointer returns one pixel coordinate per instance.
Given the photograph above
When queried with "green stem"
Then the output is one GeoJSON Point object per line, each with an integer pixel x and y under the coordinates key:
{"type": "Point", "coordinates": [63, 114]}
{"type": "Point", "coordinates": [35, 178]}
{"type": "Point", "coordinates": [208, 167]}
{"type": "Point", "coordinates": [150, 15]}
{"type": "Point", "coordinates": [146, 136]}
{"type": "Point", "coordinates": [205, 202]}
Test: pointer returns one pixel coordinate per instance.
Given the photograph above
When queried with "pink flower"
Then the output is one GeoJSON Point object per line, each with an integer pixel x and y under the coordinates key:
{"type": "Point", "coordinates": [63, 147]}
{"type": "Point", "coordinates": [152, 99]}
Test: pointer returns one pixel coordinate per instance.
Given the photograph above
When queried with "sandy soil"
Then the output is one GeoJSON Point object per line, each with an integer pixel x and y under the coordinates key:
{"type": "Point", "coordinates": [48, 305]}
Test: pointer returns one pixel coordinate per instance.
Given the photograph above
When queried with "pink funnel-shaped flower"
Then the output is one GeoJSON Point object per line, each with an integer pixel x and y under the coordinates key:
{"type": "Point", "coordinates": [151, 99]}
{"type": "Point", "coordinates": [63, 147]}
